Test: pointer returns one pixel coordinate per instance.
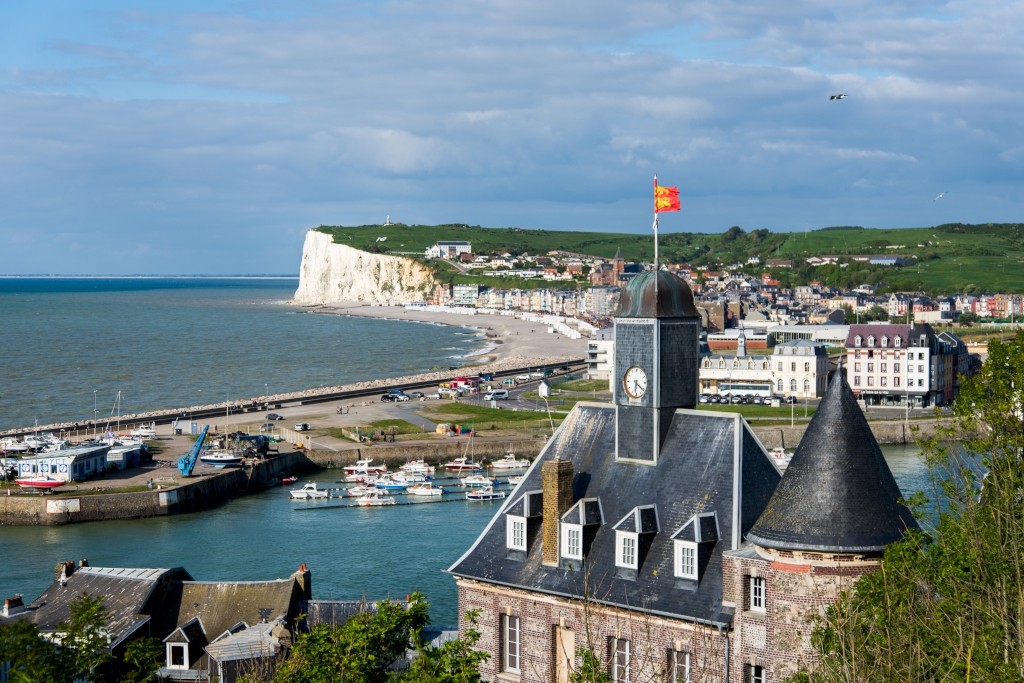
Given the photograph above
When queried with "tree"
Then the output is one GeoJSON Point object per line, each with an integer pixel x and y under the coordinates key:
{"type": "Point", "coordinates": [142, 658]}
{"type": "Point", "coordinates": [949, 605]}
{"type": "Point", "coordinates": [85, 635]}
{"type": "Point", "coordinates": [453, 662]}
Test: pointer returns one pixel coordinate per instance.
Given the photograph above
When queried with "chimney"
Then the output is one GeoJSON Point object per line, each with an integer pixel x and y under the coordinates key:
{"type": "Point", "coordinates": [304, 578]}
{"type": "Point", "coordinates": [556, 486]}
{"type": "Point", "coordinates": [13, 606]}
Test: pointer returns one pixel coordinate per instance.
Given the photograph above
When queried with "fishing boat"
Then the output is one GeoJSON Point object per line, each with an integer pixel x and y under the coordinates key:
{"type": "Point", "coordinates": [43, 483]}
{"type": "Point", "coordinates": [486, 493]}
{"type": "Point", "coordinates": [509, 461]}
{"type": "Point", "coordinates": [463, 464]}
{"type": "Point", "coordinates": [427, 488]}
{"type": "Point", "coordinates": [221, 459]}
{"type": "Point", "coordinates": [477, 481]}
{"type": "Point", "coordinates": [309, 491]}
{"type": "Point", "coordinates": [374, 498]}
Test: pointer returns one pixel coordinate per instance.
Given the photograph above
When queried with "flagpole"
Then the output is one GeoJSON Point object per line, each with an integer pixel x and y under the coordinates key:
{"type": "Point", "coordinates": [655, 222]}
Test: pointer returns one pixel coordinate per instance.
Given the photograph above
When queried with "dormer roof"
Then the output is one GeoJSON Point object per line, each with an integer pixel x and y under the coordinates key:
{"type": "Point", "coordinates": [837, 494]}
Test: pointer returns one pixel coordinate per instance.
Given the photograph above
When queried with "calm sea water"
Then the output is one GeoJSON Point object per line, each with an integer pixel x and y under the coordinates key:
{"type": "Point", "coordinates": [69, 345]}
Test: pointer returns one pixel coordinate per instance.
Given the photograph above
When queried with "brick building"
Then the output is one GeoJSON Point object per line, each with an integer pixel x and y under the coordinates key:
{"type": "Point", "coordinates": [644, 533]}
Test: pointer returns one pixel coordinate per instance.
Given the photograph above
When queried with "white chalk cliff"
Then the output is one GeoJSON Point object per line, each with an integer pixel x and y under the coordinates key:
{"type": "Point", "coordinates": [335, 272]}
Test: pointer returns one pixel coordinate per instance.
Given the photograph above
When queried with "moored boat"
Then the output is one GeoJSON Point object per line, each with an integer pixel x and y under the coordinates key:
{"type": "Point", "coordinates": [374, 498]}
{"type": "Point", "coordinates": [485, 493]}
{"type": "Point", "coordinates": [418, 467]}
{"type": "Point", "coordinates": [365, 468]}
{"type": "Point", "coordinates": [389, 483]}
{"type": "Point", "coordinates": [427, 488]}
{"type": "Point", "coordinates": [780, 456]}
{"type": "Point", "coordinates": [509, 461]}
{"type": "Point", "coordinates": [463, 464]}
{"type": "Point", "coordinates": [516, 479]}
{"type": "Point", "coordinates": [477, 481]}
{"type": "Point", "coordinates": [308, 491]}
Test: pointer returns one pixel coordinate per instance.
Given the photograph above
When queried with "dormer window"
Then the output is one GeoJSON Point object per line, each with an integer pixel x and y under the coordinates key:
{"type": "Point", "coordinates": [577, 529]}
{"type": "Point", "coordinates": [522, 519]}
{"type": "Point", "coordinates": [692, 546]}
{"type": "Point", "coordinates": [857, 340]}
{"type": "Point", "coordinates": [898, 341]}
{"type": "Point", "coordinates": [871, 340]}
{"type": "Point", "coordinates": [634, 534]}
{"type": "Point", "coordinates": [885, 341]}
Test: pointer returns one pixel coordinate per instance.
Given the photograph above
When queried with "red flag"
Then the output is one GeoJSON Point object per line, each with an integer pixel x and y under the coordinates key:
{"type": "Point", "coordinates": [665, 198]}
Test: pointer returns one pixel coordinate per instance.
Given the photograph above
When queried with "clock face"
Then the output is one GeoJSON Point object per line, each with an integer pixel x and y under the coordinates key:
{"type": "Point", "coordinates": [635, 382]}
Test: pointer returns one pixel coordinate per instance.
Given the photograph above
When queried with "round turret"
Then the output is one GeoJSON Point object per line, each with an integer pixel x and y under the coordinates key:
{"type": "Point", "coordinates": [657, 294]}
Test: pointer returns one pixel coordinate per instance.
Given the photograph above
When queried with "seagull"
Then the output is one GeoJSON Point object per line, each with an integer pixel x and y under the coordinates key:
{"type": "Point", "coordinates": [839, 96]}
{"type": "Point", "coordinates": [939, 196]}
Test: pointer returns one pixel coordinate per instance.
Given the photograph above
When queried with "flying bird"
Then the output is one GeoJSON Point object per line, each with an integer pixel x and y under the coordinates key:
{"type": "Point", "coordinates": [839, 96]}
{"type": "Point", "coordinates": [939, 196]}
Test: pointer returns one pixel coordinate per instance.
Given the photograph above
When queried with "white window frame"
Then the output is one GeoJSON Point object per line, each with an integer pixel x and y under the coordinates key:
{"type": "Point", "coordinates": [680, 667]}
{"type": "Point", "coordinates": [621, 660]}
{"type": "Point", "coordinates": [686, 569]}
{"type": "Point", "coordinates": [756, 674]}
{"type": "Point", "coordinates": [626, 549]}
{"type": "Point", "coordinates": [511, 646]}
{"type": "Point", "coordinates": [515, 532]}
{"type": "Point", "coordinates": [758, 594]}
{"type": "Point", "coordinates": [569, 531]}
{"type": "Point", "coordinates": [184, 656]}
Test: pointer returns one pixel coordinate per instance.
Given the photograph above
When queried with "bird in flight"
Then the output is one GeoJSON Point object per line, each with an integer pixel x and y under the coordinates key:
{"type": "Point", "coordinates": [839, 96]}
{"type": "Point", "coordinates": [939, 196]}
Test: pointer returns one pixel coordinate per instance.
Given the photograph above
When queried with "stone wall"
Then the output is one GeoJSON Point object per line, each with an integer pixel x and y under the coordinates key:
{"type": "Point", "coordinates": [887, 432]}
{"type": "Point", "coordinates": [397, 454]}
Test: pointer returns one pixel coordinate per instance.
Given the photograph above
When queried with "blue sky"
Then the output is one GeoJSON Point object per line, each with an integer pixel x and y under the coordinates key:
{"type": "Point", "coordinates": [208, 137]}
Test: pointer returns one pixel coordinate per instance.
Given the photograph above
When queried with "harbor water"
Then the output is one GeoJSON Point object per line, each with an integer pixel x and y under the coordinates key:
{"type": "Point", "coordinates": [353, 552]}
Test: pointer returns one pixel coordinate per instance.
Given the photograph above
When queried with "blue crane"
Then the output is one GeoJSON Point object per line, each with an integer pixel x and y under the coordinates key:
{"type": "Point", "coordinates": [187, 462]}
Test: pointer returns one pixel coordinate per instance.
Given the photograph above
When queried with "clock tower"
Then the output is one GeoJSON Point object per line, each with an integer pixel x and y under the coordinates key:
{"type": "Point", "coordinates": [657, 347]}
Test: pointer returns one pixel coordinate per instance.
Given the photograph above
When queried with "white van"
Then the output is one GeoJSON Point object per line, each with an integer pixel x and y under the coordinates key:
{"type": "Point", "coordinates": [496, 395]}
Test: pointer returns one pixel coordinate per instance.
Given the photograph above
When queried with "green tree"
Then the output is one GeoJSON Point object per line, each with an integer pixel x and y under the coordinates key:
{"type": "Point", "coordinates": [949, 605]}
{"type": "Point", "coordinates": [453, 662]}
{"type": "Point", "coordinates": [142, 658]}
{"type": "Point", "coordinates": [85, 635]}
{"type": "Point", "coordinates": [32, 658]}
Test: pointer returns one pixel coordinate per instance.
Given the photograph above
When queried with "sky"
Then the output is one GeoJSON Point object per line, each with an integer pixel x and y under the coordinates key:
{"type": "Point", "coordinates": [209, 137]}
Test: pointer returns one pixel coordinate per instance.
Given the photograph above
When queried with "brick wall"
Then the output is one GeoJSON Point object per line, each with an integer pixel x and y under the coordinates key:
{"type": "Point", "coordinates": [542, 617]}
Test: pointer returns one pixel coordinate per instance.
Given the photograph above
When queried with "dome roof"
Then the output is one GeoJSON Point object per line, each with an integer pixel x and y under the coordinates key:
{"type": "Point", "coordinates": [657, 294]}
{"type": "Point", "coordinates": [837, 494]}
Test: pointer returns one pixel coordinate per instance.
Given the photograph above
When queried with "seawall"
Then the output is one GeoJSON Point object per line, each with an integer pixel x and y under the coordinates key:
{"type": "Point", "coordinates": [886, 432]}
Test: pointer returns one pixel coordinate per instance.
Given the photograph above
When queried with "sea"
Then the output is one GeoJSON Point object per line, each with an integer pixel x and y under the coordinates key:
{"type": "Point", "coordinates": [74, 349]}
{"type": "Point", "coordinates": [69, 344]}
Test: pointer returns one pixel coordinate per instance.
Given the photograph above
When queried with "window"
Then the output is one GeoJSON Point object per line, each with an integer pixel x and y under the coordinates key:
{"type": "Point", "coordinates": [572, 541]}
{"type": "Point", "coordinates": [856, 367]}
{"type": "Point", "coordinates": [895, 367]}
{"type": "Point", "coordinates": [176, 656]}
{"type": "Point", "coordinates": [856, 341]}
{"type": "Point", "coordinates": [780, 366]}
{"type": "Point", "coordinates": [807, 367]}
{"type": "Point", "coordinates": [856, 381]}
{"type": "Point", "coordinates": [620, 660]}
{"type": "Point", "coordinates": [792, 367]}
{"type": "Point", "coordinates": [757, 593]}
{"type": "Point", "coordinates": [686, 560]}
{"type": "Point", "coordinates": [871, 341]}
{"type": "Point", "coordinates": [516, 533]}
{"type": "Point", "coordinates": [792, 385]}
{"type": "Point", "coordinates": [884, 381]}
{"type": "Point", "coordinates": [885, 341]}
{"type": "Point", "coordinates": [627, 550]}
{"type": "Point", "coordinates": [755, 674]}
{"type": "Point", "coordinates": [897, 342]}
{"type": "Point", "coordinates": [807, 386]}
{"type": "Point", "coordinates": [895, 381]}
{"type": "Point", "coordinates": [871, 381]}
{"type": "Point", "coordinates": [781, 386]}
{"type": "Point", "coordinates": [510, 643]}
{"type": "Point", "coordinates": [679, 666]}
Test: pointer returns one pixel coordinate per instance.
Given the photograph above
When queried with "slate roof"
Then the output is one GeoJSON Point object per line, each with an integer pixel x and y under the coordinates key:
{"type": "Point", "coordinates": [657, 294]}
{"type": "Point", "coordinates": [838, 494]}
{"type": "Point", "coordinates": [128, 597]}
{"type": "Point", "coordinates": [705, 456]}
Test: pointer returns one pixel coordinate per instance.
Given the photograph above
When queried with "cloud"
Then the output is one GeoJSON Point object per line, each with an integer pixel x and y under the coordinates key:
{"type": "Point", "coordinates": [232, 126]}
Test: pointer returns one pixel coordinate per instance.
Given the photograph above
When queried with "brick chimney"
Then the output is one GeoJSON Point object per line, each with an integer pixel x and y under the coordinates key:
{"type": "Point", "coordinates": [304, 578]}
{"type": "Point", "coordinates": [12, 606]}
{"type": "Point", "coordinates": [556, 485]}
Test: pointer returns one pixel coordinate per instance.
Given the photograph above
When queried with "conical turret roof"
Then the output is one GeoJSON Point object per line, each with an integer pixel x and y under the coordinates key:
{"type": "Point", "coordinates": [837, 494]}
{"type": "Point", "coordinates": [657, 294]}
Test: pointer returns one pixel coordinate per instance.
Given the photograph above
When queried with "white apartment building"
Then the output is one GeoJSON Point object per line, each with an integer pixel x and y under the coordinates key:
{"type": "Point", "coordinates": [900, 365]}
{"type": "Point", "coordinates": [800, 369]}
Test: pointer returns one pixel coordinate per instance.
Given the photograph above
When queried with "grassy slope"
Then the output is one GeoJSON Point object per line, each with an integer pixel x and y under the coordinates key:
{"type": "Point", "coordinates": [949, 258]}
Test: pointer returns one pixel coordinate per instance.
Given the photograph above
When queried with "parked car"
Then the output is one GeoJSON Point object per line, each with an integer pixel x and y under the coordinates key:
{"type": "Point", "coordinates": [525, 377]}
{"type": "Point", "coordinates": [496, 395]}
{"type": "Point", "coordinates": [486, 376]}
{"type": "Point", "coordinates": [389, 397]}
{"type": "Point", "coordinates": [274, 416]}
{"type": "Point", "coordinates": [268, 427]}
{"type": "Point", "coordinates": [401, 397]}
{"type": "Point", "coordinates": [302, 427]}
{"type": "Point", "coordinates": [433, 394]}
{"type": "Point", "coordinates": [416, 394]}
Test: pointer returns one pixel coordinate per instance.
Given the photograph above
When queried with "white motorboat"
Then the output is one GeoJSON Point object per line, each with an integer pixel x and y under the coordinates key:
{"type": "Point", "coordinates": [374, 498]}
{"type": "Point", "coordinates": [364, 468]}
{"type": "Point", "coordinates": [418, 467]}
{"type": "Point", "coordinates": [509, 461]}
{"type": "Point", "coordinates": [427, 488]}
{"type": "Point", "coordinates": [309, 491]}
{"type": "Point", "coordinates": [486, 493]}
{"type": "Point", "coordinates": [477, 481]}
{"type": "Point", "coordinates": [147, 431]}
{"type": "Point", "coordinates": [409, 477]}
{"type": "Point", "coordinates": [11, 445]}
{"type": "Point", "coordinates": [388, 482]}
{"type": "Point", "coordinates": [516, 479]}
{"type": "Point", "coordinates": [360, 489]}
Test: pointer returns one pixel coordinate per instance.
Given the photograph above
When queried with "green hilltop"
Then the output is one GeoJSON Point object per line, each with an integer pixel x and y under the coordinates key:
{"type": "Point", "coordinates": [946, 258]}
